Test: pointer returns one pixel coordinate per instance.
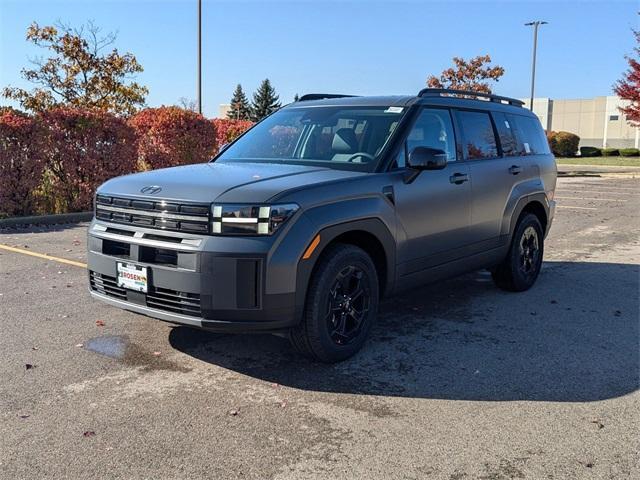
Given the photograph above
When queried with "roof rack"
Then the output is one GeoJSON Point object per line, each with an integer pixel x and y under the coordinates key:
{"type": "Point", "coordinates": [321, 96]}
{"type": "Point", "coordinates": [437, 92]}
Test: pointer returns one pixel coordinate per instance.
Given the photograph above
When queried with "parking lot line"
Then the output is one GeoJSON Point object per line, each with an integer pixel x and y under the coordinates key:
{"type": "Point", "coordinates": [43, 255]}
{"type": "Point", "coordinates": [593, 198]}
{"type": "Point", "coordinates": [576, 208]}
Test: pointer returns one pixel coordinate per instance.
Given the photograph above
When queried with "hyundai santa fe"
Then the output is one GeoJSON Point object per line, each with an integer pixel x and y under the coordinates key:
{"type": "Point", "coordinates": [302, 224]}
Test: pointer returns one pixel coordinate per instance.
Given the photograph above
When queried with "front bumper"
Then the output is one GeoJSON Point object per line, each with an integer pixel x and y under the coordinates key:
{"type": "Point", "coordinates": [215, 283]}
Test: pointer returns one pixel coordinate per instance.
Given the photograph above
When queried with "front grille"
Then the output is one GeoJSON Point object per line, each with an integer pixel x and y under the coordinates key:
{"type": "Point", "coordinates": [171, 301]}
{"type": "Point", "coordinates": [107, 285]}
{"type": "Point", "coordinates": [189, 218]}
{"type": "Point", "coordinates": [174, 301]}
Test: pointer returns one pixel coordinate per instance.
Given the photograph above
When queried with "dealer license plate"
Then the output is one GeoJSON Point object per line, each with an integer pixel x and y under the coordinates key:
{"type": "Point", "coordinates": [132, 277]}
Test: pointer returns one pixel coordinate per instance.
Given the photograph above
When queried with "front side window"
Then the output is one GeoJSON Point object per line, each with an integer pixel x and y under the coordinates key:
{"type": "Point", "coordinates": [479, 139]}
{"type": "Point", "coordinates": [335, 137]}
{"type": "Point", "coordinates": [433, 128]}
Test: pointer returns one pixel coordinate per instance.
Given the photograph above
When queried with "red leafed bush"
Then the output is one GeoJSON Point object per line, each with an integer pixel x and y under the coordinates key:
{"type": "Point", "coordinates": [170, 136]}
{"type": "Point", "coordinates": [21, 163]}
{"type": "Point", "coordinates": [83, 148]}
{"type": "Point", "coordinates": [228, 130]}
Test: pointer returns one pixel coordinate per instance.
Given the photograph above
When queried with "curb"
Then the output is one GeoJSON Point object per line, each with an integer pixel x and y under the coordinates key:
{"type": "Point", "coordinates": [46, 219]}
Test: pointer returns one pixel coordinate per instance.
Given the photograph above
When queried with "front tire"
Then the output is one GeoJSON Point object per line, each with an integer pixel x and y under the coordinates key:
{"type": "Point", "coordinates": [519, 270]}
{"type": "Point", "coordinates": [341, 305]}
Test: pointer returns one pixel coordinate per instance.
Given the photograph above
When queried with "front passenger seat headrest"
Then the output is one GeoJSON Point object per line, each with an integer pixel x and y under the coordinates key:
{"type": "Point", "coordinates": [344, 141]}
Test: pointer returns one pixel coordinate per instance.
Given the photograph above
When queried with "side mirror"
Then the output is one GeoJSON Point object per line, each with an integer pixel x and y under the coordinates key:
{"type": "Point", "coordinates": [425, 158]}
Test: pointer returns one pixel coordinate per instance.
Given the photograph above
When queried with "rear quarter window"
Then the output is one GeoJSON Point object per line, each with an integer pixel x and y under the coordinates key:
{"type": "Point", "coordinates": [531, 137]}
{"type": "Point", "coordinates": [507, 134]}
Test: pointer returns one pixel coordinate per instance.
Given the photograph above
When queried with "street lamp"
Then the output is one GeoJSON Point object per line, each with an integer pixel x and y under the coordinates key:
{"type": "Point", "coordinates": [199, 85]}
{"type": "Point", "coordinates": [535, 24]}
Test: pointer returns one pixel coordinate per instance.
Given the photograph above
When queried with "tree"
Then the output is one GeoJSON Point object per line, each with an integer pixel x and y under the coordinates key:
{"type": "Point", "coordinates": [265, 101]}
{"type": "Point", "coordinates": [296, 98]}
{"type": "Point", "coordinates": [474, 75]}
{"type": "Point", "coordinates": [628, 87]}
{"type": "Point", "coordinates": [240, 108]}
{"type": "Point", "coordinates": [188, 104]}
{"type": "Point", "coordinates": [79, 73]}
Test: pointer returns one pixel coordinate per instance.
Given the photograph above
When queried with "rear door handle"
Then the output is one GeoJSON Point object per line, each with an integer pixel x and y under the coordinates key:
{"type": "Point", "coordinates": [515, 169]}
{"type": "Point", "coordinates": [459, 178]}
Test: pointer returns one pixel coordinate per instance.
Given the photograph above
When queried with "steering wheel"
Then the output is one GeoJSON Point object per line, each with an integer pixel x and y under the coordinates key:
{"type": "Point", "coordinates": [366, 155]}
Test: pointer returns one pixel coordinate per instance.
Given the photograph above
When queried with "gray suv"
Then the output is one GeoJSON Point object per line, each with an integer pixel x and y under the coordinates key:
{"type": "Point", "coordinates": [302, 224]}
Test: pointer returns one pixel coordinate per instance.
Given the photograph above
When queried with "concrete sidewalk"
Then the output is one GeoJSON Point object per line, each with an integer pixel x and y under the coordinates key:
{"type": "Point", "coordinates": [585, 170]}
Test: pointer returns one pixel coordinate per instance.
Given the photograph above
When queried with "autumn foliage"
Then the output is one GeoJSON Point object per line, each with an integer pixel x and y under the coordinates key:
{"type": "Point", "coordinates": [628, 87]}
{"type": "Point", "coordinates": [84, 148]}
{"type": "Point", "coordinates": [228, 130]}
{"type": "Point", "coordinates": [21, 163]}
{"type": "Point", "coordinates": [170, 136]}
{"type": "Point", "coordinates": [52, 162]}
{"type": "Point", "coordinates": [475, 74]}
{"type": "Point", "coordinates": [563, 144]}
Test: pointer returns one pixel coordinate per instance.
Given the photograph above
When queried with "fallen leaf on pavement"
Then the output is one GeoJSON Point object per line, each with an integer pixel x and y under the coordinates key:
{"type": "Point", "coordinates": [156, 353]}
{"type": "Point", "coordinates": [89, 433]}
{"type": "Point", "coordinates": [23, 415]}
{"type": "Point", "coordinates": [598, 423]}
{"type": "Point", "coordinates": [233, 412]}
{"type": "Point", "coordinates": [79, 345]}
{"type": "Point", "coordinates": [29, 366]}
{"type": "Point", "coordinates": [100, 323]}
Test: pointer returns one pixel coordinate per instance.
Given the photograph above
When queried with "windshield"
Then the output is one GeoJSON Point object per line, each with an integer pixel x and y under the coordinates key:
{"type": "Point", "coordinates": [335, 137]}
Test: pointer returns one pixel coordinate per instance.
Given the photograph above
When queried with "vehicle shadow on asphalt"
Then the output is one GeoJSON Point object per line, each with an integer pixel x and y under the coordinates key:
{"type": "Point", "coordinates": [574, 337]}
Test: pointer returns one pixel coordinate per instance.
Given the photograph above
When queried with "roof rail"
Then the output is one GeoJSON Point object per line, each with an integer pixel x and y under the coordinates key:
{"type": "Point", "coordinates": [321, 96]}
{"type": "Point", "coordinates": [437, 92]}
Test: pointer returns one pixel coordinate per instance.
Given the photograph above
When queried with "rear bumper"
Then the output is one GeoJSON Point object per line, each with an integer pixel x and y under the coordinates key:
{"type": "Point", "coordinates": [199, 281]}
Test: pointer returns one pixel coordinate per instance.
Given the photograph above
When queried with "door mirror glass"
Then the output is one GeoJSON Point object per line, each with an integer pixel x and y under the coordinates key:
{"type": "Point", "coordinates": [427, 158]}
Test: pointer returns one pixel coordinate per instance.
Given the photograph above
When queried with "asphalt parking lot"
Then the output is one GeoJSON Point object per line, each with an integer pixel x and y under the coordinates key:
{"type": "Point", "coordinates": [460, 380]}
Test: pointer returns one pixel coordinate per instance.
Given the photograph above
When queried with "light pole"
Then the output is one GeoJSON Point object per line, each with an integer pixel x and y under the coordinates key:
{"type": "Point", "coordinates": [535, 24]}
{"type": "Point", "coordinates": [199, 85]}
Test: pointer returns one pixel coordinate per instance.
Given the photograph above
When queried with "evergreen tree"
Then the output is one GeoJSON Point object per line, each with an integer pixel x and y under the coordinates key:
{"type": "Point", "coordinates": [240, 108]}
{"type": "Point", "coordinates": [296, 98]}
{"type": "Point", "coordinates": [265, 101]}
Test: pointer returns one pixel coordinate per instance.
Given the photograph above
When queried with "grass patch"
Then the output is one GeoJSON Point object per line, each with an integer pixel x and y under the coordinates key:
{"type": "Point", "coordinates": [605, 161]}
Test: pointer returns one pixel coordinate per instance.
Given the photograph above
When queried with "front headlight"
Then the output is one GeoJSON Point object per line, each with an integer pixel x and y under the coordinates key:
{"type": "Point", "coordinates": [250, 219]}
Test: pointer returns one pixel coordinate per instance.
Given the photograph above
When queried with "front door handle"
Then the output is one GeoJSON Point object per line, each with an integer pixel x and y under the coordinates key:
{"type": "Point", "coordinates": [515, 169]}
{"type": "Point", "coordinates": [459, 178]}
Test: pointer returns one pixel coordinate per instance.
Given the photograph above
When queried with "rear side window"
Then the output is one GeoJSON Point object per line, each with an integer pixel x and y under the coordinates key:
{"type": "Point", "coordinates": [479, 139]}
{"type": "Point", "coordinates": [531, 137]}
{"type": "Point", "coordinates": [507, 134]}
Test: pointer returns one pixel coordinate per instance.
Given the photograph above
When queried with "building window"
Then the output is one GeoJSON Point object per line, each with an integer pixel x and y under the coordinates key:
{"type": "Point", "coordinates": [613, 118]}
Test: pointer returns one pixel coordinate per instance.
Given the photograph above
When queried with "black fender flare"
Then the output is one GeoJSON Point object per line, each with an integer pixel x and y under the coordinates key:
{"type": "Point", "coordinates": [372, 226]}
{"type": "Point", "coordinates": [520, 205]}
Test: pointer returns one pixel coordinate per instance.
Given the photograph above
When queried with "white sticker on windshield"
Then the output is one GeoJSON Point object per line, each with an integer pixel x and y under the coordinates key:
{"type": "Point", "coordinates": [393, 110]}
{"type": "Point", "coordinates": [527, 148]}
{"type": "Point", "coordinates": [507, 124]}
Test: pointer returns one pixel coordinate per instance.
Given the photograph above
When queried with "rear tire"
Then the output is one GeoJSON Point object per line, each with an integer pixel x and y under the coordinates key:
{"type": "Point", "coordinates": [519, 270]}
{"type": "Point", "coordinates": [341, 305]}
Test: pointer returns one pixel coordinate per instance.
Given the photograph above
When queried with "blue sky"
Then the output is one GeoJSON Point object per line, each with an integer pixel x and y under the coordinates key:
{"type": "Point", "coordinates": [358, 47]}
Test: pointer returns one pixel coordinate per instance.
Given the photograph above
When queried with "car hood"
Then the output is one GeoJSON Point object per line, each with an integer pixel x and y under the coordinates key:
{"type": "Point", "coordinates": [223, 182]}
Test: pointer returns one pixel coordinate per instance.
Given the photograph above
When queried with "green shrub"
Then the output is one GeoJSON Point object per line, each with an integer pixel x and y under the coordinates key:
{"type": "Point", "coordinates": [563, 144]}
{"type": "Point", "coordinates": [610, 152]}
{"type": "Point", "coordinates": [629, 152]}
{"type": "Point", "coordinates": [590, 152]}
